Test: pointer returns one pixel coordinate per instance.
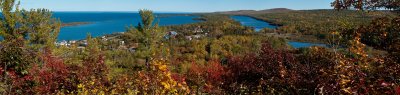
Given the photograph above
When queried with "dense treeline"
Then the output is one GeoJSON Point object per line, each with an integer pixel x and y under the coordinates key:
{"type": "Point", "coordinates": [216, 24]}
{"type": "Point", "coordinates": [366, 4]}
{"type": "Point", "coordinates": [317, 24]}
{"type": "Point", "coordinates": [216, 56]}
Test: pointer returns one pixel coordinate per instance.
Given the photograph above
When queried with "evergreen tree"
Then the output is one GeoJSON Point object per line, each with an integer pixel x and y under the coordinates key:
{"type": "Point", "coordinates": [24, 34]}
{"type": "Point", "coordinates": [35, 27]}
{"type": "Point", "coordinates": [43, 30]}
{"type": "Point", "coordinates": [147, 36]}
{"type": "Point", "coordinates": [23, 29]}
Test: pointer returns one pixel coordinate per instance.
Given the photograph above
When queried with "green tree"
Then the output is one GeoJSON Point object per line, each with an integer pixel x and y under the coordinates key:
{"type": "Point", "coordinates": [42, 28]}
{"type": "Point", "coordinates": [24, 34]}
{"type": "Point", "coordinates": [366, 4]}
{"type": "Point", "coordinates": [35, 27]}
{"type": "Point", "coordinates": [23, 29]}
{"type": "Point", "coordinates": [9, 22]}
{"type": "Point", "coordinates": [147, 36]}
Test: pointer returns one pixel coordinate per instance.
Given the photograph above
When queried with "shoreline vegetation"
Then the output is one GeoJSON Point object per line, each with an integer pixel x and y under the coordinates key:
{"type": "Point", "coordinates": [290, 36]}
{"type": "Point", "coordinates": [269, 32]}
{"type": "Point", "coordinates": [316, 25]}
{"type": "Point", "coordinates": [308, 23]}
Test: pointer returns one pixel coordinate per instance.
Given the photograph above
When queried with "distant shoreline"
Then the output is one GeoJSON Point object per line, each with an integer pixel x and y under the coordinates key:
{"type": "Point", "coordinates": [260, 19]}
{"type": "Point", "coordinates": [75, 24]}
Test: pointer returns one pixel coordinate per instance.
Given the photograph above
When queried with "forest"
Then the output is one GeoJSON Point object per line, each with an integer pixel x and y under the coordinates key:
{"type": "Point", "coordinates": [215, 56]}
{"type": "Point", "coordinates": [317, 24]}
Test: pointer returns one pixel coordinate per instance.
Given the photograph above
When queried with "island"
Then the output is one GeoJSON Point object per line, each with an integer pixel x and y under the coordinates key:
{"type": "Point", "coordinates": [74, 24]}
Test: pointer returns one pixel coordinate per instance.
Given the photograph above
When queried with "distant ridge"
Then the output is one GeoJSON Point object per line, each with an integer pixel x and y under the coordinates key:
{"type": "Point", "coordinates": [244, 12]}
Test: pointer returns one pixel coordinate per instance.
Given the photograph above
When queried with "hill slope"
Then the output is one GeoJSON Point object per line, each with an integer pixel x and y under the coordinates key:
{"type": "Point", "coordinates": [244, 12]}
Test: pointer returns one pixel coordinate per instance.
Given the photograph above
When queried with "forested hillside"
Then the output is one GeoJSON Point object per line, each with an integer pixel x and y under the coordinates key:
{"type": "Point", "coordinates": [317, 24]}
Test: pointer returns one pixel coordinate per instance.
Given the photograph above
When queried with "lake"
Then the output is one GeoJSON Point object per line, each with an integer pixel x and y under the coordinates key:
{"type": "Point", "coordinates": [258, 25]}
{"type": "Point", "coordinates": [304, 44]}
{"type": "Point", "coordinates": [255, 23]}
{"type": "Point", "coordinates": [102, 23]}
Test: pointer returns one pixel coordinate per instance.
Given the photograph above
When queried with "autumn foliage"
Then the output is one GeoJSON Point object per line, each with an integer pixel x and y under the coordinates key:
{"type": "Point", "coordinates": [229, 61]}
{"type": "Point", "coordinates": [51, 76]}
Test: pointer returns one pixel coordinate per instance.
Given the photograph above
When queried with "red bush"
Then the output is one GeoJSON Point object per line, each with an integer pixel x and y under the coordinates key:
{"type": "Point", "coordinates": [51, 77]}
{"type": "Point", "coordinates": [209, 77]}
{"type": "Point", "coordinates": [252, 70]}
{"type": "Point", "coordinates": [215, 71]}
{"type": "Point", "coordinates": [1, 71]}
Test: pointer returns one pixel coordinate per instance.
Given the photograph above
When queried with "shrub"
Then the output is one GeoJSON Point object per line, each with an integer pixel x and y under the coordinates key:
{"type": "Point", "coordinates": [267, 72]}
{"type": "Point", "coordinates": [50, 78]}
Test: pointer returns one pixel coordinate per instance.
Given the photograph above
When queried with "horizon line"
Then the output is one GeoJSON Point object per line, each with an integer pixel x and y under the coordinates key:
{"type": "Point", "coordinates": [174, 11]}
{"type": "Point", "coordinates": [133, 11]}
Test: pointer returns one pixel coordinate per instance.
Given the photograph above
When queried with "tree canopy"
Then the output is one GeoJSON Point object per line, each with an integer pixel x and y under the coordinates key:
{"type": "Point", "coordinates": [367, 4]}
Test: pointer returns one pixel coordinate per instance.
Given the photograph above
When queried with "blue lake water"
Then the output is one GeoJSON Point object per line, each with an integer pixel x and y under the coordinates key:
{"type": "Point", "coordinates": [102, 23]}
{"type": "Point", "coordinates": [258, 25]}
{"type": "Point", "coordinates": [304, 44]}
{"type": "Point", "coordinates": [251, 22]}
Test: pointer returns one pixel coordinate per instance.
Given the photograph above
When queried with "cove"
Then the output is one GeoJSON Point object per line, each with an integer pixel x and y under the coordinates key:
{"type": "Point", "coordinates": [258, 25]}
{"type": "Point", "coordinates": [103, 23]}
{"type": "Point", "coordinates": [252, 22]}
{"type": "Point", "coordinates": [304, 44]}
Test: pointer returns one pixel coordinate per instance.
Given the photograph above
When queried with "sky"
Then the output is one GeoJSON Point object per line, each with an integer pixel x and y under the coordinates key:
{"type": "Point", "coordinates": [173, 5]}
